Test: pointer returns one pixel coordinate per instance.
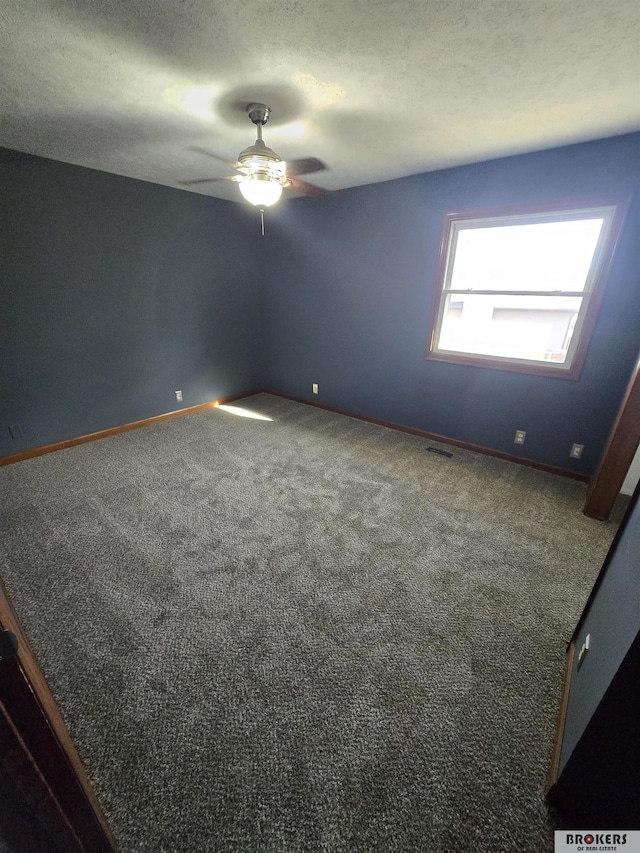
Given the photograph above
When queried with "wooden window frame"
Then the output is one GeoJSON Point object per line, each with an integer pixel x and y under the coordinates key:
{"type": "Point", "coordinates": [496, 216]}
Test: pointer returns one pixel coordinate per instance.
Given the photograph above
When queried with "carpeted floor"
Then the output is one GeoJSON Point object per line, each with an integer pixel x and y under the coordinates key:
{"type": "Point", "coordinates": [306, 633]}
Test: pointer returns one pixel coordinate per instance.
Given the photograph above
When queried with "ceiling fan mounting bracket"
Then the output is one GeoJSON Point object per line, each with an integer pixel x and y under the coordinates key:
{"type": "Point", "coordinates": [258, 113]}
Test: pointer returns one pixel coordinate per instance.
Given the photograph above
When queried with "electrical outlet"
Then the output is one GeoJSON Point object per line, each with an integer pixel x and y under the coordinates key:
{"type": "Point", "coordinates": [179, 396]}
{"type": "Point", "coordinates": [16, 431]}
{"type": "Point", "coordinates": [584, 649]}
{"type": "Point", "coordinates": [314, 387]}
{"type": "Point", "coordinates": [576, 451]}
{"type": "Point", "coordinates": [520, 436]}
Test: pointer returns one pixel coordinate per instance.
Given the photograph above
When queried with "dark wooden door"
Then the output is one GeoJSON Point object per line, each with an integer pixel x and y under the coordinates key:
{"type": "Point", "coordinates": [46, 800]}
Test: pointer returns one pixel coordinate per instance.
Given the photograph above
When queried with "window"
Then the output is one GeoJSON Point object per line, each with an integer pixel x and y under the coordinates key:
{"type": "Point", "coordinates": [519, 288]}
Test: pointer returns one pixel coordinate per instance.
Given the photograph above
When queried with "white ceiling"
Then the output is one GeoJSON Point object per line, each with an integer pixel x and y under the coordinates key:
{"type": "Point", "coordinates": [377, 89]}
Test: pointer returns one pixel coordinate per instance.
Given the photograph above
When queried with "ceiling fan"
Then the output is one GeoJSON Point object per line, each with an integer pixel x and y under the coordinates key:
{"type": "Point", "coordinates": [261, 174]}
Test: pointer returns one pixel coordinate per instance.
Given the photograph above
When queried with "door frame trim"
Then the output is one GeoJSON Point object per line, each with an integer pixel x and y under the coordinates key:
{"type": "Point", "coordinates": [32, 710]}
{"type": "Point", "coordinates": [618, 455]}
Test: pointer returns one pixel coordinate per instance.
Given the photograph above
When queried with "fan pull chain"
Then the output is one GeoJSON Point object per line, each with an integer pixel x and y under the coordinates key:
{"type": "Point", "coordinates": [262, 221]}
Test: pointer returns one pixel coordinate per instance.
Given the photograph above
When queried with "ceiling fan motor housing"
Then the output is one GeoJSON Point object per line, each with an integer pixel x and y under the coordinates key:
{"type": "Point", "coordinates": [258, 150]}
{"type": "Point", "coordinates": [261, 163]}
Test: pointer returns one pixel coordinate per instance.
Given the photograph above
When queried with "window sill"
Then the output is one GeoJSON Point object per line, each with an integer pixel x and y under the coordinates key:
{"type": "Point", "coordinates": [533, 369]}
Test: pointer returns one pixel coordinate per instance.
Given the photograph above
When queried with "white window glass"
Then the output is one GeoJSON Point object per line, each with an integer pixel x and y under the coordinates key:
{"type": "Point", "coordinates": [517, 289]}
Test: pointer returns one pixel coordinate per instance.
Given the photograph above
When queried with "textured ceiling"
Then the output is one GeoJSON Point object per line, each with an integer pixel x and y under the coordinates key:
{"type": "Point", "coordinates": [376, 89]}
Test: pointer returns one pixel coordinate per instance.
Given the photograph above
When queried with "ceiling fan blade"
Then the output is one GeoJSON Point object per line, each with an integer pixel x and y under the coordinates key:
{"type": "Point", "coordinates": [233, 163]}
{"type": "Point", "coordinates": [308, 189]}
{"type": "Point", "coordinates": [209, 180]}
{"type": "Point", "coordinates": [304, 166]}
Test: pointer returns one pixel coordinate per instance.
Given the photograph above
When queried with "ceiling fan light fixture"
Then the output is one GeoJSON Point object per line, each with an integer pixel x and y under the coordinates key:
{"type": "Point", "coordinates": [262, 185]}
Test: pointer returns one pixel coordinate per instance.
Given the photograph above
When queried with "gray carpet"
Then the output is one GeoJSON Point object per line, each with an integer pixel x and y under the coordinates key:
{"type": "Point", "coordinates": [302, 634]}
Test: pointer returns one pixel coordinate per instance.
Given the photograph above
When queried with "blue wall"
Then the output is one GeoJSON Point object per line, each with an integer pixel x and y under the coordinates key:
{"type": "Point", "coordinates": [612, 619]}
{"type": "Point", "coordinates": [348, 288]}
{"type": "Point", "coordinates": [114, 293]}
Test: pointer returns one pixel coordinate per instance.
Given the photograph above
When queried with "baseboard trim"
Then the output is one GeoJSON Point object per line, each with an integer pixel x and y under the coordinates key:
{"type": "Point", "coordinates": [105, 433]}
{"type": "Point", "coordinates": [432, 436]}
